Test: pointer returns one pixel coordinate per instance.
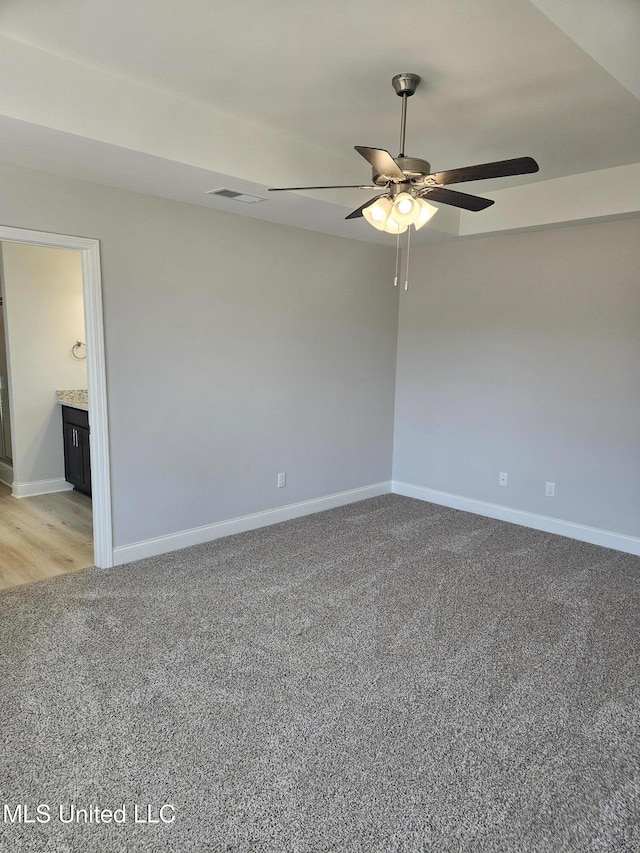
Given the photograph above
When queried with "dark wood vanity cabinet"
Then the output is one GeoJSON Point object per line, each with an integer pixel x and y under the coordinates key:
{"type": "Point", "coordinates": [77, 454]}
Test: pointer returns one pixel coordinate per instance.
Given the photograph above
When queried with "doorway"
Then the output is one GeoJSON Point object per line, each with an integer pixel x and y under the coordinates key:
{"type": "Point", "coordinates": [96, 377]}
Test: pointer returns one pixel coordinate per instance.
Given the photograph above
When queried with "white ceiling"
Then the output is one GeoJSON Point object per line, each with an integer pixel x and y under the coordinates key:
{"type": "Point", "coordinates": [255, 94]}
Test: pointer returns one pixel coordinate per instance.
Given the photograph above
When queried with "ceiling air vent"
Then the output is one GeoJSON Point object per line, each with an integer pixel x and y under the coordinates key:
{"type": "Point", "coordinates": [236, 196]}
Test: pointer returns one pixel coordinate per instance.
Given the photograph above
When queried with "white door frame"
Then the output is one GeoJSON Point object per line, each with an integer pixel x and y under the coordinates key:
{"type": "Point", "coordinates": [96, 377]}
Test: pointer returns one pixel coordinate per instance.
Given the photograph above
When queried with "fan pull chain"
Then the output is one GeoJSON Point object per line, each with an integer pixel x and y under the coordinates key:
{"type": "Point", "coordinates": [406, 280]}
{"type": "Point", "coordinates": [395, 280]}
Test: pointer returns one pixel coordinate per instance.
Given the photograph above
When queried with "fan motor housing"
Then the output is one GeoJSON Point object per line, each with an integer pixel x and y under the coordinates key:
{"type": "Point", "coordinates": [415, 170]}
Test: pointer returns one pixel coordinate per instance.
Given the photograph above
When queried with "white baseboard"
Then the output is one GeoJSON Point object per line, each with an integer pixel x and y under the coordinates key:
{"type": "Point", "coordinates": [241, 524]}
{"type": "Point", "coordinates": [40, 487]}
{"type": "Point", "coordinates": [582, 532]}
{"type": "Point", "coordinates": [6, 474]}
{"type": "Point", "coordinates": [198, 535]}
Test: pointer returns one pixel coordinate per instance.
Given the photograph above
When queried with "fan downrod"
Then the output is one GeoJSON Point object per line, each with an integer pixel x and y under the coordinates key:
{"type": "Point", "coordinates": [405, 85]}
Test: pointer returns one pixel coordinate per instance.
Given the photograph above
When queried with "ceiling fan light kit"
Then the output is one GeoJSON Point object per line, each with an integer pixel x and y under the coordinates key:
{"type": "Point", "coordinates": [396, 217]}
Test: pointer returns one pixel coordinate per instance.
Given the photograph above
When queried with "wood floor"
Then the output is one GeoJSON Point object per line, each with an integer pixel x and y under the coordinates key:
{"type": "Point", "coordinates": [43, 536]}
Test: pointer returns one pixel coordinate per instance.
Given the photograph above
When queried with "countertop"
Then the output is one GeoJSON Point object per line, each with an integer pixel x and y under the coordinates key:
{"type": "Point", "coordinates": [77, 399]}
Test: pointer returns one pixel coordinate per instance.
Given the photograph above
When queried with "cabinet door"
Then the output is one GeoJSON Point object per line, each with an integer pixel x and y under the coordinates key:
{"type": "Point", "coordinates": [73, 467]}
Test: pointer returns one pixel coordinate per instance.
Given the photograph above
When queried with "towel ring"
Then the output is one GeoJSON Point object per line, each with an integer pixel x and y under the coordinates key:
{"type": "Point", "coordinates": [75, 348]}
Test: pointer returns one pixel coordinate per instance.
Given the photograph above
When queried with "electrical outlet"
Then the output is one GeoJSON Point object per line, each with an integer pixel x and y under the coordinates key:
{"type": "Point", "coordinates": [282, 480]}
{"type": "Point", "coordinates": [503, 479]}
{"type": "Point", "coordinates": [550, 490]}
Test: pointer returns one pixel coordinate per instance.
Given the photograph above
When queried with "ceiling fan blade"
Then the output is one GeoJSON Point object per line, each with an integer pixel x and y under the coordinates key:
{"type": "Point", "coordinates": [499, 169]}
{"type": "Point", "coordinates": [456, 199]}
{"type": "Point", "coordinates": [331, 187]}
{"type": "Point", "coordinates": [382, 162]}
{"type": "Point", "coordinates": [356, 213]}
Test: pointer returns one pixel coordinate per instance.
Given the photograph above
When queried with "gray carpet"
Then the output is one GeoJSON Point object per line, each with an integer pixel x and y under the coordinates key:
{"type": "Point", "coordinates": [388, 676]}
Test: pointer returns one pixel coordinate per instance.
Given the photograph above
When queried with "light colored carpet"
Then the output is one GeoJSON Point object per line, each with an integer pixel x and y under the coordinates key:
{"type": "Point", "coordinates": [387, 676]}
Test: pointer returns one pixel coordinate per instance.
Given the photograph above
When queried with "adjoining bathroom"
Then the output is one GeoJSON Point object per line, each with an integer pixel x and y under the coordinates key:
{"type": "Point", "coordinates": [45, 510]}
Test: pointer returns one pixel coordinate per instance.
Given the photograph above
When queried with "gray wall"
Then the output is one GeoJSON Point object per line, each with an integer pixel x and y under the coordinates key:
{"type": "Point", "coordinates": [521, 354]}
{"type": "Point", "coordinates": [235, 350]}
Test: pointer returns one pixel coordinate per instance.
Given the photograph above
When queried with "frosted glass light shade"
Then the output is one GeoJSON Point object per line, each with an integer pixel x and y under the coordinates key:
{"type": "Point", "coordinates": [405, 209]}
{"type": "Point", "coordinates": [426, 212]}
{"type": "Point", "coordinates": [378, 213]}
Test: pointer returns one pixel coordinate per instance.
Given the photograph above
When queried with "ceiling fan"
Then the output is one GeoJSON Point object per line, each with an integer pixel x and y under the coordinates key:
{"type": "Point", "coordinates": [409, 184]}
